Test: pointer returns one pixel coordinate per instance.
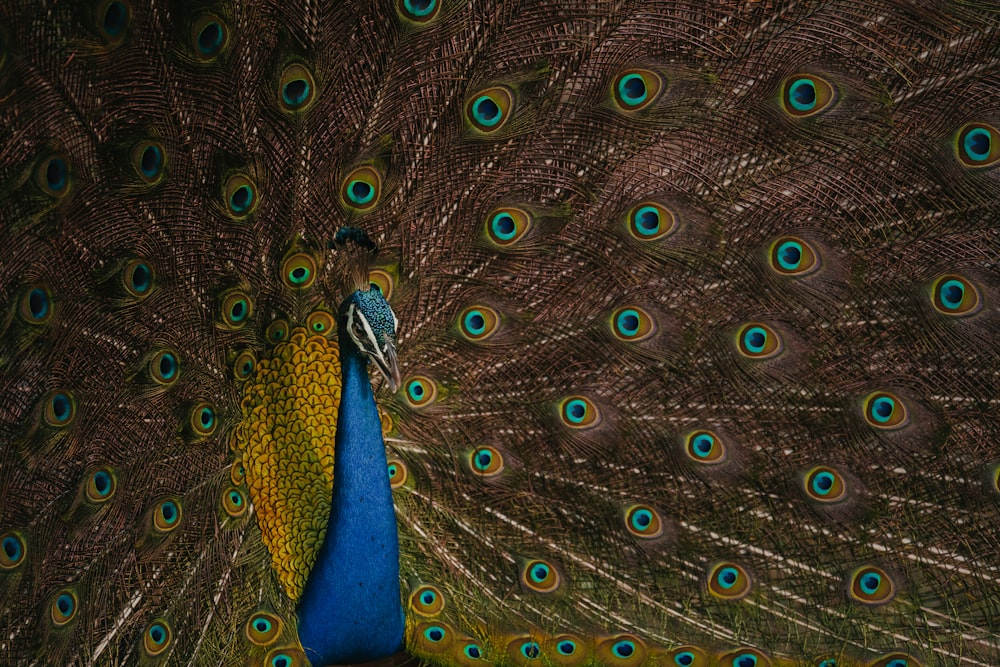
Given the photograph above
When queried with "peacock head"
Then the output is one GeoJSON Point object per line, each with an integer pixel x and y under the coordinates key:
{"type": "Point", "coordinates": [372, 326]}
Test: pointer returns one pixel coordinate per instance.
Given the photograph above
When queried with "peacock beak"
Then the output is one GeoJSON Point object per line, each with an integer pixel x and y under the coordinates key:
{"type": "Point", "coordinates": [388, 365]}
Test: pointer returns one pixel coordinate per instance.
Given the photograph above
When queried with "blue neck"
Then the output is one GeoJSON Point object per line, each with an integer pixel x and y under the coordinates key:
{"type": "Point", "coordinates": [350, 610]}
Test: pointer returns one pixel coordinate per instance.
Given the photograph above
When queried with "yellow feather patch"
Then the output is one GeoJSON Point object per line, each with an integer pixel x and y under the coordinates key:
{"type": "Point", "coordinates": [287, 442]}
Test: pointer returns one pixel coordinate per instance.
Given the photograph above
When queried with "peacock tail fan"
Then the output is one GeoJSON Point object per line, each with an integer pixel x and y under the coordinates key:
{"type": "Point", "coordinates": [698, 314]}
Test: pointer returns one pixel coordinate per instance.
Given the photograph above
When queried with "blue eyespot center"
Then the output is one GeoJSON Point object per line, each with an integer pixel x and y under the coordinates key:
{"type": "Point", "coordinates": [295, 92]}
{"type": "Point", "coordinates": [952, 292]}
{"type": "Point", "coordinates": [428, 597]}
{"type": "Point", "coordinates": [64, 603]}
{"type": "Point", "coordinates": [114, 18]}
{"type": "Point", "coordinates": [12, 548]}
{"type": "Point", "coordinates": [483, 459]}
{"type": "Point", "coordinates": [238, 310]}
{"type": "Point", "coordinates": [38, 303]}
{"type": "Point", "coordinates": [168, 366]}
{"type": "Point", "coordinates": [210, 38]}
{"type": "Point", "coordinates": [647, 221]}
{"type": "Point", "coordinates": [745, 660]}
{"type": "Point", "coordinates": [530, 650]}
{"type": "Point", "coordinates": [419, 8]}
{"type": "Point", "coordinates": [151, 161]}
{"type": "Point", "coordinates": [262, 625]}
{"type": "Point", "coordinates": [566, 647]}
{"type": "Point", "coordinates": [684, 659]}
{"type": "Point", "coordinates": [141, 278]}
{"type": "Point", "coordinates": [727, 577]}
{"type": "Point", "coordinates": [504, 226]}
{"type": "Point", "coordinates": [576, 411]}
{"type": "Point", "coordinates": [361, 192]}
{"type": "Point", "coordinates": [61, 407]}
{"type": "Point", "coordinates": [281, 660]}
{"type": "Point", "coordinates": [158, 633]}
{"type": "Point", "coordinates": [102, 482]}
{"type": "Point", "coordinates": [754, 339]}
{"type": "Point", "coordinates": [628, 322]}
{"type": "Point", "coordinates": [475, 323]}
{"type": "Point", "coordinates": [169, 511]}
{"type": "Point", "coordinates": [207, 417]}
{"type": "Point", "coordinates": [473, 651]}
{"type": "Point", "coordinates": [55, 174]}
{"type": "Point", "coordinates": [790, 255]}
{"type": "Point", "coordinates": [241, 199]}
{"type": "Point", "coordinates": [870, 582]}
{"type": "Point", "coordinates": [632, 89]}
{"type": "Point", "coordinates": [434, 633]}
{"type": "Point", "coordinates": [977, 144]}
{"type": "Point", "coordinates": [486, 111]}
{"type": "Point", "coordinates": [822, 483]}
{"type": "Point", "coordinates": [623, 649]}
{"type": "Point", "coordinates": [703, 445]}
{"type": "Point", "coordinates": [802, 94]}
{"type": "Point", "coordinates": [882, 408]}
{"type": "Point", "coordinates": [641, 519]}
{"type": "Point", "coordinates": [539, 573]}
{"type": "Point", "coordinates": [897, 663]}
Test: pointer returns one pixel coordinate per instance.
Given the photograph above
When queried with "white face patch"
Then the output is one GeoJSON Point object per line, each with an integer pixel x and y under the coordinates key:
{"type": "Point", "coordinates": [363, 336]}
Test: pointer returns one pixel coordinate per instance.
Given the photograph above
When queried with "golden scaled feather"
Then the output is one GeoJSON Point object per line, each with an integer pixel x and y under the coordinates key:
{"type": "Point", "coordinates": [698, 325]}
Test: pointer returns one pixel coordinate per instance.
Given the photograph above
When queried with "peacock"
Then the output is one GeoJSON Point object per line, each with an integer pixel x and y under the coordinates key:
{"type": "Point", "coordinates": [500, 332]}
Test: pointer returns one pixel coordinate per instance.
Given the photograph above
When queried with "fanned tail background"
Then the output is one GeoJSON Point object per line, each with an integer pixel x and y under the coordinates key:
{"type": "Point", "coordinates": [697, 303]}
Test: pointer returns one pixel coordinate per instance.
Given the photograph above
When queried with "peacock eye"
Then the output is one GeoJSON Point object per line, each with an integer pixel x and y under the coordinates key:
{"type": "Point", "coordinates": [650, 221]}
{"type": "Point", "coordinates": [240, 195]}
{"type": "Point", "coordinates": [978, 145]}
{"type": "Point", "coordinates": [35, 305]}
{"type": "Point", "coordinates": [418, 11]}
{"type": "Point", "coordinates": [954, 295]}
{"type": "Point", "coordinates": [233, 502]}
{"type": "Point", "coordinates": [636, 89]}
{"type": "Point", "coordinates": [236, 307]}
{"type": "Point", "coordinates": [477, 323]}
{"type": "Point", "coordinates": [296, 88]}
{"type": "Point", "coordinates": [298, 271]}
{"type": "Point", "coordinates": [263, 628]}
{"type": "Point", "coordinates": [579, 412]}
{"type": "Point", "coordinates": [758, 341]}
{"type": "Point", "coordinates": [485, 461]}
{"type": "Point", "coordinates": [805, 95]}
{"type": "Point", "coordinates": [540, 576]}
{"type": "Point", "coordinates": [427, 600]}
{"type": "Point", "coordinates": [490, 109]}
{"type": "Point", "coordinates": [209, 36]}
{"type": "Point", "coordinates": [53, 176]}
{"type": "Point", "coordinates": [149, 160]}
{"type": "Point", "coordinates": [792, 256]}
{"type": "Point", "coordinates": [505, 226]}
{"type": "Point", "coordinates": [632, 324]}
{"type": "Point", "coordinates": [704, 447]}
{"type": "Point", "coordinates": [113, 18]}
{"type": "Point", "coordinates": [643, 521]}
{"type": "Point", "coordinates": [728, 581]}
{"type": "Point", "coordinates": [398, 473]}
{"type": "Point", "coordinates": [825, 485]}
{"type": "Point", "coordinates": [362, 188]}
{"type": "Point", "coordinates": [871, 585]}
{"type": "Point", "coordinates": [885, 411]}
{"type": "Point", "coordinates": [100, 485]}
